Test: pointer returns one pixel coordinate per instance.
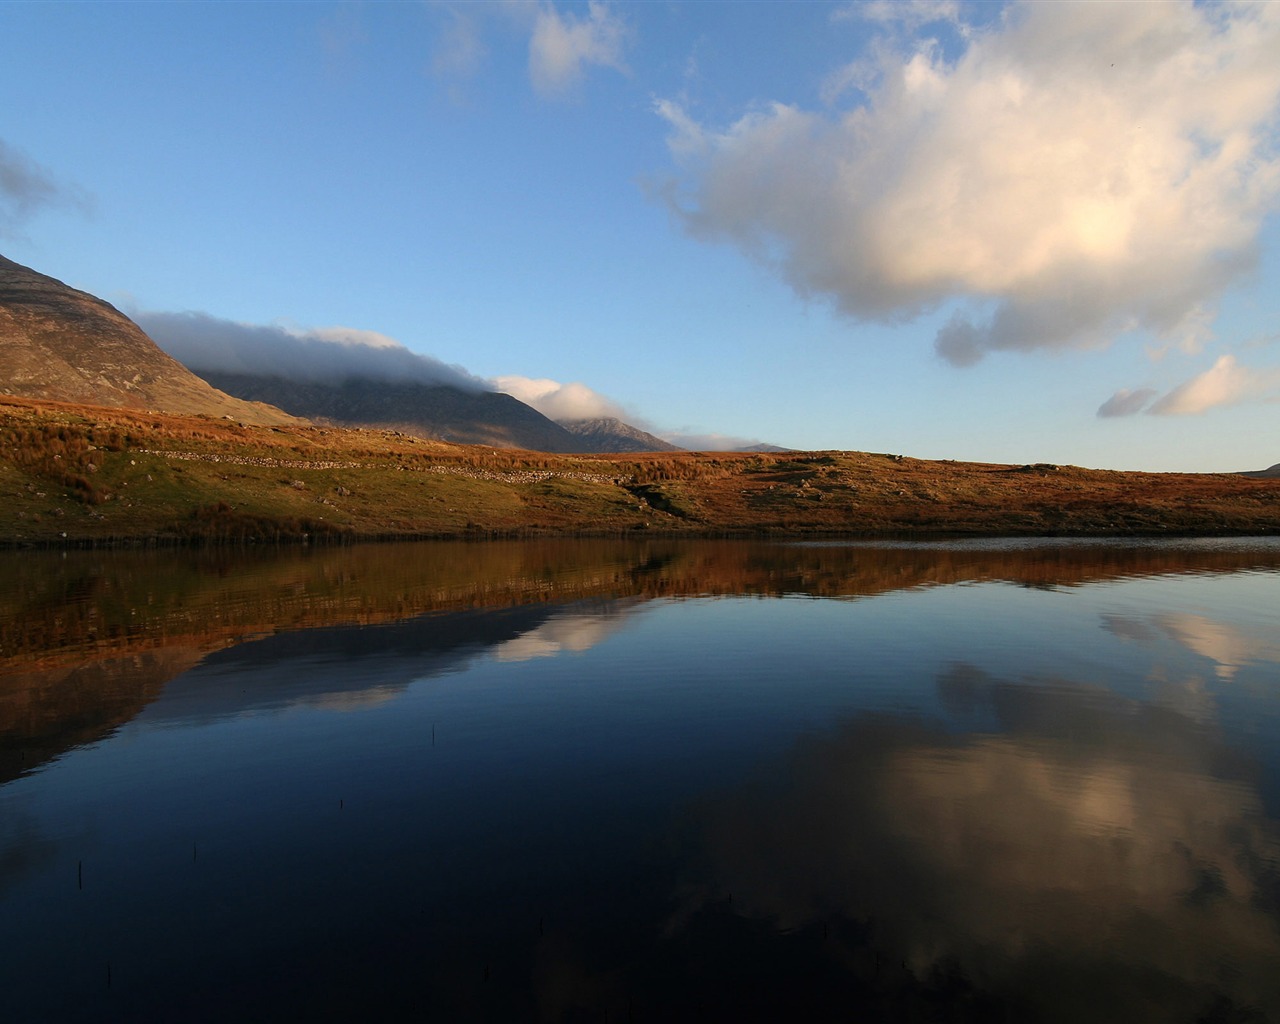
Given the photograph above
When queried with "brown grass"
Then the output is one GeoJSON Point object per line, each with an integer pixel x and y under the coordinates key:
{"type": "Point", "coordinates": [76, 474]}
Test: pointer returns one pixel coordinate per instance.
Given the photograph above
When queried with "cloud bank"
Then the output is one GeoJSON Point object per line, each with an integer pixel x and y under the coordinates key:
{"type": "Point", "coordinates": [208, 344]}
{"type": "Point", "coordinates": [1077, 171]}
{"type": "Point", "coordinates": [556, 401]}
{"type": "Point", "coordinates": [708, 442]}
{"type": "Point", "coordinates": [1225, 383]}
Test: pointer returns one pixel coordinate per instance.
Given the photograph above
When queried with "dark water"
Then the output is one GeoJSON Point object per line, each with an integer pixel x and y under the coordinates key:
{"type": "Point", "coordinates": [599, 781]}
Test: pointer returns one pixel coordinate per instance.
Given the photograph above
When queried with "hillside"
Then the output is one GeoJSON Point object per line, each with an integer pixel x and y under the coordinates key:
{"type": "Point", "coordinates": [1264, 474]}
{"type": "Point", "coordinates": [88, 475]}
{"type": "Point", "coordinates": [61, 344]}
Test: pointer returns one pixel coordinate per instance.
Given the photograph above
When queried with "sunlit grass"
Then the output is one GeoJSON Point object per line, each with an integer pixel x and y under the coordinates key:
{"type": "Point", "coordinates": [73, 474]}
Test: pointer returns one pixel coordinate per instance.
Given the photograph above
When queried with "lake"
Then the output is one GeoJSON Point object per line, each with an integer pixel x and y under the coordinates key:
{"type": "Point", "coordinates": [1012, 780]}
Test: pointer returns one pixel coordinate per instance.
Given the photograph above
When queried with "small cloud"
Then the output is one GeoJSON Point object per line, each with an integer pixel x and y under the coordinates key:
{"type": "Point", "coordinates": [208, 344]}
{"type": "Point", "coordinates": [26, 187]}
{"type": "Point", "coordinates": [560, 402]}
{"type": "Point", "coordinates": [562, 45]}
{"type": "Point", "coordinates": [1126, 402]}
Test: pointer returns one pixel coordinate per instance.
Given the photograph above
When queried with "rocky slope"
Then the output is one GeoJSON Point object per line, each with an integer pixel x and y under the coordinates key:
{"type": "Point", "coordinates": [65, 345]}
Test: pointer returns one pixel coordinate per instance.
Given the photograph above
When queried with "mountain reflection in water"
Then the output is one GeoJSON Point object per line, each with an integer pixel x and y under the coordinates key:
{"type": "Point", "coordinates": [656, 781]}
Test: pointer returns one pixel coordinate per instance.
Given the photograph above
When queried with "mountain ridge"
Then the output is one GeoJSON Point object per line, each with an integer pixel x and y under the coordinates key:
{"type": "Point", "coordinates": [435, 412]}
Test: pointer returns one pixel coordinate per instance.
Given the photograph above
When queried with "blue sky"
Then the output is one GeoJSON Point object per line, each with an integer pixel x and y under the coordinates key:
{"type": "Point", "coordinates": [947, 230]}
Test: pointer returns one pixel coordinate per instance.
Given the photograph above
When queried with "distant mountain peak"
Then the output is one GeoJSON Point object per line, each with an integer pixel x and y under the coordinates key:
{"type": "Point", "coordinates": [608, 434]}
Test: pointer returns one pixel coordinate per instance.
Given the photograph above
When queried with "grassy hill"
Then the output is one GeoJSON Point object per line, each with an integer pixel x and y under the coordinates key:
{"type": "Point", "coordinates": [82, 474]}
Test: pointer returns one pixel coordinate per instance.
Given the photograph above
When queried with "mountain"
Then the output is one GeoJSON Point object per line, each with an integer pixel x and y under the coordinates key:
{"type": "Point", "coordinates": [65, 345]}
{"type": "Point", "coordinates": [608, 434]}
{"type": "Point", "coordinates": [435, 411]}
{"type": "Point", "coordinates": [770, 448]}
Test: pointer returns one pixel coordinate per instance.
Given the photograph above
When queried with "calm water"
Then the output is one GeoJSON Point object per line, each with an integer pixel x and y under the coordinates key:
{"type": "Point", "coordinates": [585, 781]}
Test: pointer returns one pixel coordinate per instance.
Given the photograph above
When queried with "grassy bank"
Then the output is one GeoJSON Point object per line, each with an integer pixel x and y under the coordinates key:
{"type": "Point", "coordinates": [81, 475]}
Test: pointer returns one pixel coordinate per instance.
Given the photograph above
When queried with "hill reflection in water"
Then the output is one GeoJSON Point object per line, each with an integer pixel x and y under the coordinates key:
{"type": "Point", "coordinates": [1032, 781]}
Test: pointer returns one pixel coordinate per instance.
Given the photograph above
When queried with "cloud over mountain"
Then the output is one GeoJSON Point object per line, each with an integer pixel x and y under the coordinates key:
{"type": "Point", "coordinates": [1068, 173]}
{"type": "Point", "coordinates": [573, 401]}
{"type": "Point", "coordinates": [210, 344]}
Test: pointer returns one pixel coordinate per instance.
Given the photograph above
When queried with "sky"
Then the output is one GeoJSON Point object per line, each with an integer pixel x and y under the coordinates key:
{"type": "Point", "coordinates": [1024, 232]}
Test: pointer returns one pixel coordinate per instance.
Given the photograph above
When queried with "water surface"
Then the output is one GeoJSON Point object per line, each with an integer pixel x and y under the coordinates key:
{"type": "Point", "coordinates": [652, 781]}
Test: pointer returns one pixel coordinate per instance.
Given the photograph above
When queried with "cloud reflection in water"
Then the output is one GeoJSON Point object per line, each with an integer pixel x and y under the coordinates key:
{"type": "Point", "coordinates": [1100, 859]}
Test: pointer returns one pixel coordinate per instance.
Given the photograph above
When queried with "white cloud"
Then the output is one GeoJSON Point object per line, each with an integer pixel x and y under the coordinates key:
{"type": "Point", "coordinates": [562, 45]}
{"type": "Point", "coordinates": [1224, 383]}
{"type": "Point", "coordinates": [208, 344]}
{"type": "Point", "coordinates": [1079, 170]}
{"type": "Point", "coordinates": [573, 401]}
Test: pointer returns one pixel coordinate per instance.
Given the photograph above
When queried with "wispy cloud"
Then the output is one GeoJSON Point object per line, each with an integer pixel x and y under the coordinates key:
{"type": "Point", "coordinates": [907, 14]}
{"type": "Point", "coordinates": [26, 186]}
{"type": "Point", "coordinates": [1126, 402]}
{"type": "Point", "coordinates": [562, 45]}
{"type": "Point", "coordinates": [342, 37]}
{"type": "Point", "coordinates": [208, 344]}
{"type": "Point", "coordinates": [1224, 383]}
{"type": "Point", "coordinates": [564, 402]}
{"type": "Point", "coordinates": [1077, 171]}
{"type": "Point", "coordinates": [459, 48]}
